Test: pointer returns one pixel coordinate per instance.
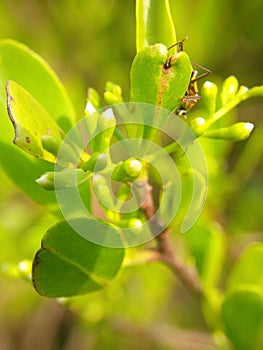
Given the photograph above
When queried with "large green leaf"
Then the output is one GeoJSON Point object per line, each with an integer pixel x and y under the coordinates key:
{"type": "Point", "coordinates": [248, 268]}
{"type": "Point", "coordinates": [19, 63]}
{"type": "Point", "coordinates": [154, 23]}
{"type": "Point", "coordinates": [68, 264]}
{"type": "Point", "coordinates": [30, 121]}
{"type": "Point", "coordinates": [242, 308]}
{"type": "Point", "coordinates": [242, 314]}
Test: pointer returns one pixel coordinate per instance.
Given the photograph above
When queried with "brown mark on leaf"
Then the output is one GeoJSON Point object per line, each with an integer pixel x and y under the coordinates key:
{"type": "Point", "coordinates": [10, 100]}
{"type": "Point", "coordinates": [164, 83]}
{"type": "Point", "coordinates": [28, 139]}
{"type": "Point", "coordinates": [35, 265]}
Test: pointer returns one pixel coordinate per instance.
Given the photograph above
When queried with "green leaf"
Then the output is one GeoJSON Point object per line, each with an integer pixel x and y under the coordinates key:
{"type": "Point", "coordinates": [207, 246]}
{"type": "Point", "coordinates": [19, 63]}
{"type": "Point", "coordinates": [30, 121]}
{"type": "Point", "coordinates": [154, 23]}
{"type": "Point", "coordinates": [248, 268]}
{"type": "Point", "coordinates": [242, 314]}
{"type": "Point", "coordinates": [68, 264]}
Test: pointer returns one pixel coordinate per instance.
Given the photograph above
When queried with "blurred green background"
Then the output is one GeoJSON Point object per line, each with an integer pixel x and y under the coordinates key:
{"type": "Point", "coordinates": [88, 43]}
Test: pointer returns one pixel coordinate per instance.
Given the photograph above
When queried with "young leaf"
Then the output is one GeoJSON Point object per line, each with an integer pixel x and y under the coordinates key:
{"type": "Point", "coordinates": [30, 122]}
{"type": "Point", "coordinates": [155, 83]}
{"type": "Point", "coordinates": [68, 264]}
{"type": "Point", "coordinates": [154, 23]}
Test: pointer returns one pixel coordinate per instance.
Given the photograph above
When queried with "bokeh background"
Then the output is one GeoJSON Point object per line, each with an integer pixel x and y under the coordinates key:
{"type": "Point", "coordinates": [88, 43]}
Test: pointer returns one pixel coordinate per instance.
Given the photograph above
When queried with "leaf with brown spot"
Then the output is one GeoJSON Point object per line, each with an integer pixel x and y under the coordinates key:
{"type": "Point", "coordinates": [30, 121]}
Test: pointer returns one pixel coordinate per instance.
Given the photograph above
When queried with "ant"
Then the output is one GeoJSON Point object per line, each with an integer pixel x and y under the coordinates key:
{"type": "Point", "coordinates": [191, 96]}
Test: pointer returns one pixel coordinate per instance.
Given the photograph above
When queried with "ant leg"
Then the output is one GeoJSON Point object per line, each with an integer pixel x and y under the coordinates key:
{"type": "Point", "coordinates": [205, 74]}
{"type": "Point", "coordinates": [190, 98]}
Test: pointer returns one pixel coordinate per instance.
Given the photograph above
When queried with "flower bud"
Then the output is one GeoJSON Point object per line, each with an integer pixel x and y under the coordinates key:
{"type": "Point", "coordinates": [66, 178]}
{"type": "Point", "coordinates": [110, 98]}
{"type": "Point", "coordinates": [97, 161]}
{"type": "Point", "coordinates": [134, 225]}
{"type": "Point", "coordinates": [51, 143]}
{"type": "Point", "coordinates": [105, 128]}
{"type": "Point", "coordinates": [93, 104]}
{"type": "Point", "coordinates": [242, 90]}
{"type": "Point", "coordinates": [93, 101]}
{"type": "Point", "coordinates": [113, 93]}
{"type": "Point", "coordinates": [103, 191]}
{"type": "Point", "coordinates": [127, 170]}
{"type": "Point", "coordinates": [236, 132]}
{"type": "Point", "coordinates": [209, 95]}
{"type": "Point", "coordinates": [133, 167]}
{"type": "Point", "coordinates": [47, 181]}
{"type": "Point", "coordinates": [229, 89]}
{"type": "Point", "coordinates": [198, 126]}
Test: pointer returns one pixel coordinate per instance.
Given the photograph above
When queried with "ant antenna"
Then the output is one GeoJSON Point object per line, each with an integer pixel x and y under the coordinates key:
{"type": "Point", "coordinates": [179, 43]}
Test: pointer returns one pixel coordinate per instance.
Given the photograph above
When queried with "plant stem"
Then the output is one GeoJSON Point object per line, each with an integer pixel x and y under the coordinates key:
{"type": "Point", "coordinates": [164, 251]}
{"type": "Point", "coordinates": [187, 275]}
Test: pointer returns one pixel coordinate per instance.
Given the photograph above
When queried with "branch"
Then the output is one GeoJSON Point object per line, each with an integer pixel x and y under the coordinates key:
{"type": "Point", "coordinates": [187, 275]}
{"type": "Point", "coordinates": [165, 252]}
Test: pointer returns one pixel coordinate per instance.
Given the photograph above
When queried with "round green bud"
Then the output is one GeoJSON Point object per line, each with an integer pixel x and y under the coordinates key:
{"type": "Point", "coordinates": [198, 126]}
{"type": "Point", "coordinates": [127, 170]}
{"type": "Point", "coordinates": [133, 167]}
{"type": "Point", "coordinates": [51, 143]}
{"type": "Point", "coordinates": [135, 225]}
{"type": "Point", "coordinates": [97, 162]}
